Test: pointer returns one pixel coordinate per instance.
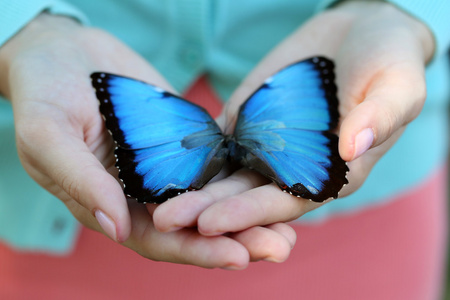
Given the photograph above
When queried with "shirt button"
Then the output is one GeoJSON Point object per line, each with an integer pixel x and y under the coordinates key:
{"type": "Point", "coordinates": [58, 226]}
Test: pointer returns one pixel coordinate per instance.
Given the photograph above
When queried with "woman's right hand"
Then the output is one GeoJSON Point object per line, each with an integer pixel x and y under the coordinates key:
{"type": "Point", "coordinates": [63, 144]}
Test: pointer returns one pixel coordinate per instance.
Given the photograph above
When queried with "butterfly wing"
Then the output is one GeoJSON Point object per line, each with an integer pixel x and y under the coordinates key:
{"type": "Point", "coordinates": [165, 144]}
{"type": "Point", "coordinates": [284, 131]}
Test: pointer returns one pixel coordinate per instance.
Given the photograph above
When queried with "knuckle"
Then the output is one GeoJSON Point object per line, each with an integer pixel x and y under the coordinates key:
{"type": "Point", "coordinates": [388, 118]}
{"type": "Point", "coordinates": [69, 184]}
{"type": "Point", "coordinates": [420, 98]}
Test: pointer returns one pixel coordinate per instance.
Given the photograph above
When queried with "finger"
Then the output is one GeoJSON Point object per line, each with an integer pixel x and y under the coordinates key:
{"type": "Point", "coordinates": [267, 243]}
{"type": "Point", "coordinates": [184, 246]}
{"type": "Point", "coordinates": [77, 175]}
{"type": "Point", "coordinates": [260, 206]}
{"type": "Point", "coordinates": [183, 210]}
{"type": "Point", "coordinates": [285, 230]}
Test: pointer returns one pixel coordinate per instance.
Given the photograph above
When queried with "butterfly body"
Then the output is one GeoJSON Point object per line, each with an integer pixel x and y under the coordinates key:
{"type": "Point", "coordinates": [167, 145]}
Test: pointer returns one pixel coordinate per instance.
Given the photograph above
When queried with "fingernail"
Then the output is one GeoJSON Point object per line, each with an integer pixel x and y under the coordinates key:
{"type": "Point", "coordinates": [174, 228]}
{"type": "Point", "coordinates": [363, 141]}
{"type": "Point", "coordinates": [107, 224]}
{"type": "Point", "coordinates": [272, 260]}
{"type": "Point", "coordinates": [231, 267]}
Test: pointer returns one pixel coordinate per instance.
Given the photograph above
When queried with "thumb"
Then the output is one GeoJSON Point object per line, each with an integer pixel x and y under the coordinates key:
{"type": "Point", "coordinates": [60, 160]}
{"type": "Point", "coordinates": [79, 173]}
{"type": "Point", "coordinates": [394, 98]}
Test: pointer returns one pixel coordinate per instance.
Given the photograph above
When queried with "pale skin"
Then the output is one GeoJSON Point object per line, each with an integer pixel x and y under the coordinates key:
{"type": "Point", "coordinates": [380, 53]}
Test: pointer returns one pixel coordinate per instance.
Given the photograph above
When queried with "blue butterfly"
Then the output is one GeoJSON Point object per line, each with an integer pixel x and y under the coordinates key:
{"type": "Point", "coordinates": [167, 145]}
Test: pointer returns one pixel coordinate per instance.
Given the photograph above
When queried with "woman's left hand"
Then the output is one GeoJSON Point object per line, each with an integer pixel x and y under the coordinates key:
{"type": "Point", "coordinates": [380, 55]}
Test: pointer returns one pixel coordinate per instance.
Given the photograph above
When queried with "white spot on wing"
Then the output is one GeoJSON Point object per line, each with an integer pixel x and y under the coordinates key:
{"type": "Point", "coordinates": [159, 90]}
{"type": "Point", "coordinates": [269, 80]}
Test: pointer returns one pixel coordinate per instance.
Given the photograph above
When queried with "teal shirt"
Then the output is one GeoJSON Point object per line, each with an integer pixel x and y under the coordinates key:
{"type": "Point", "coordinates": [224, 40]}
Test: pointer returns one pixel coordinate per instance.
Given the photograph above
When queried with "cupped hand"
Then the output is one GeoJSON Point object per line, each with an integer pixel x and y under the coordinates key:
{"type": "Point", "coordinates": [63, 144]}
{"type": "Point", "coordinates": [380, 55]}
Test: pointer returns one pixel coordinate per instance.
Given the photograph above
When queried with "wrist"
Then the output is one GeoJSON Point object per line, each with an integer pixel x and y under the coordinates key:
{"type": "Point", "coordinates": [39, 32]}
{"type": "Point", "coordinates": [384, 12]}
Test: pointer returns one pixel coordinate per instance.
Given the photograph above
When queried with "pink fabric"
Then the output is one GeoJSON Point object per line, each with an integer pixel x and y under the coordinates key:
{"type": "Point", "coordinates": [395, 251]}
